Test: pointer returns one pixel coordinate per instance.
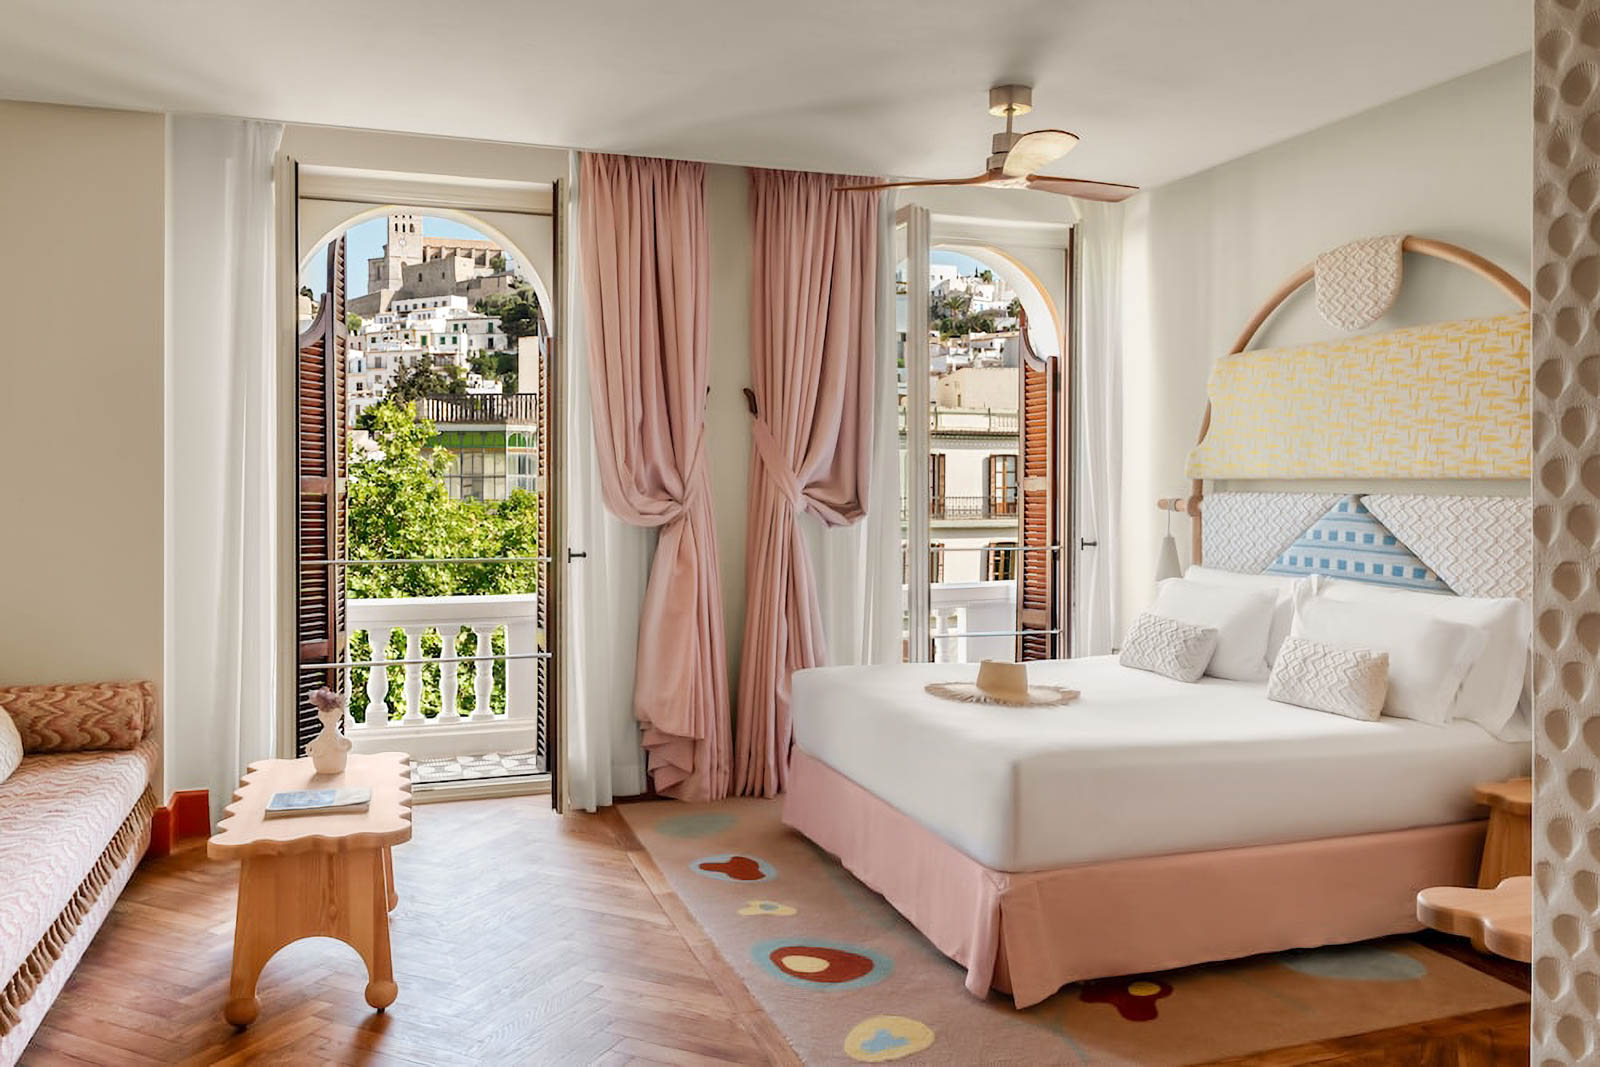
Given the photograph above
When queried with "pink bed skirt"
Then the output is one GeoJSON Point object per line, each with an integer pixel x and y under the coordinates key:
{"type": "Point", "coordinates": [1028, 934]}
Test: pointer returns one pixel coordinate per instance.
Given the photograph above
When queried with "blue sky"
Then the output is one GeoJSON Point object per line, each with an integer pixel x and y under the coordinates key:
{"type": "Point", "coordinates": [963, 263]}
{"type": "Point", "coordinates": [365, 240]}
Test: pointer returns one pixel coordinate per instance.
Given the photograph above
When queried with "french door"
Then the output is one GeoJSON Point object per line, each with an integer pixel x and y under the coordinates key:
{"type": "Point", "coordinates": [984, 459]}
{"type": "Point", "coordinates": [457, 668]}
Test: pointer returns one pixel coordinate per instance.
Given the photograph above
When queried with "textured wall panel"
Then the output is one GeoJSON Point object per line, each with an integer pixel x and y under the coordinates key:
{"type": "Point", "coordinates": [1246, 531]}
{"type": "Point", "coordinates": [1479, 545]}
{"type": "Point", "coordinates": [1566, 525]}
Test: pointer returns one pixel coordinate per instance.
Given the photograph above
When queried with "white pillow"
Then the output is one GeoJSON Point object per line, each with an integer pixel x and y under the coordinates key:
{"type": "Point", "coordinates": [1170, 647]}
{"type": "Point", "coordinates": [1496, 683]}
{"type": "Point", "coordinates": [10, 745]}
{"type": "Point", "coordinates": [1428, 657]}
{"type": "Point", "coordinates": [1352, 682]}
{"type": "Point", "coordinates": [1241, 617]}
{"type": "Point", "coordinates": [1281, 585]}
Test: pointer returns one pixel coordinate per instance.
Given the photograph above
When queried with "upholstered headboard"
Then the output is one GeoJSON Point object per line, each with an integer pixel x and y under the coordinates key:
{"type": "Point", "coordinates": [1399, 456]}
{"type": "Point", "coordinates": [1469, 545]}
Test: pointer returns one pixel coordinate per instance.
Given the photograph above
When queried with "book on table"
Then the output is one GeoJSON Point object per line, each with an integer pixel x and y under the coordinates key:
{"type": "Point", "coordinates": [319, 802]}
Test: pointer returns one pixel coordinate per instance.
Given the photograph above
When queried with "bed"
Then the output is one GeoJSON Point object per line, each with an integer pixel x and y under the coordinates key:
{"type": "Point", "coordinates": [1152, 823]}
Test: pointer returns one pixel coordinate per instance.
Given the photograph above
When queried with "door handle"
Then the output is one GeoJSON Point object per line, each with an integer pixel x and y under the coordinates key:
{"type": "Point", "coordinates": [572, 555]}
{"type": "Point", "coordinates": [1082, 544]}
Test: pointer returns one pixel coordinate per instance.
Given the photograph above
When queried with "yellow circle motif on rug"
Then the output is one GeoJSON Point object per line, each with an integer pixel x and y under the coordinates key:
{"type": "Point", "coordinates": [886, 1037]}
{"type": "Point", "coordinates": [766, 907]}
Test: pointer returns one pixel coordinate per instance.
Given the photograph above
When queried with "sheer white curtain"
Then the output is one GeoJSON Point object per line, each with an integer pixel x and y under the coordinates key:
{"type": "Point", "coordinates": [605, 589]}
{"type": "Point", "coordinates": [1097, 318]}
{"type": "Point", "coordinates": [858, 566]}
{"type": "Point", "coordinates": [220, 693]}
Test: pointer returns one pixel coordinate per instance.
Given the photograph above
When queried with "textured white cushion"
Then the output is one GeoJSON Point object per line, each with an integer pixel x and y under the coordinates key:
{"type": "Point", "coordinates": [10, 745]}
{"type": "Point", "coordinates": [1171, 647]}
{"type": "Point", "coordinates": [1241, 617]}
{"type": "Point", "coordinates": [1352, 682]}
{"type": "Point", "coordinates": [1496, 683]}
{"type": "Point", "coordinates": [1280, 585]}
{"type": "Point", "coordinates": [1428, 657]}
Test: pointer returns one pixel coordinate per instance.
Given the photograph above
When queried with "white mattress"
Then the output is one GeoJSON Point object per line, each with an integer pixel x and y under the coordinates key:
{"type": "Point", "coordinates": [1139, 766]}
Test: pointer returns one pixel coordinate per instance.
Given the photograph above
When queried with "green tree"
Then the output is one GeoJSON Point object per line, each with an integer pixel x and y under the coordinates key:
{"type": "Point", "coordinates": [498, 261]}
{"type": "Point", "coordinates": [416, 378]}
{"type": "Point", "coordinates": [518, 312]}
{"type": "Point", "coordinates": [500, 365]}
{"type": "Point", "coordinates": [352, 322]}
{"type": "Point", "coordinates": [398, 507]}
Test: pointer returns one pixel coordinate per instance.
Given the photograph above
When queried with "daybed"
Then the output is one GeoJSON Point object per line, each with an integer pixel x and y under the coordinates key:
{"type": "Point", "coordinates": [74, 822]}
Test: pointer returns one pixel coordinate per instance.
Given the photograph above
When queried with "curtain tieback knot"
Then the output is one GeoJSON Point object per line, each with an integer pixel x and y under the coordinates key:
{"type": "Point", "coordinates": [777, 466]}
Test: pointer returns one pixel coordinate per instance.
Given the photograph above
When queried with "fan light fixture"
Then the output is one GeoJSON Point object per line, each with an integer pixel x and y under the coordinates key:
{"type": "Point", "coordinates": [1016, 159]}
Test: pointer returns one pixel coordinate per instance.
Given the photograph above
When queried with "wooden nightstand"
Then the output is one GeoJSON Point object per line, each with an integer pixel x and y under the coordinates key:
{"type": "Point", "coordinates": [1508, 850]}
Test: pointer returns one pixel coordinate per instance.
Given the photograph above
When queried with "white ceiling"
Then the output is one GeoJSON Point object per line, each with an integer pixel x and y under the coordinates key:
{"type": "Point", "coordinates": [1157, 88]}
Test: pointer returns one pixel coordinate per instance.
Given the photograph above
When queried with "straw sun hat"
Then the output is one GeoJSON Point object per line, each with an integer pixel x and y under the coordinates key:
{"type": "Point", "coordinates": [1003, 683]}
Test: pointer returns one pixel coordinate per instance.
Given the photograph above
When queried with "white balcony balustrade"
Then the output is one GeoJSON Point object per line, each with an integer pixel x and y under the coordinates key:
{"type": "Point", "coordinates": [959, 609]}
{"type": "Point", "coordinates": [461, 727]}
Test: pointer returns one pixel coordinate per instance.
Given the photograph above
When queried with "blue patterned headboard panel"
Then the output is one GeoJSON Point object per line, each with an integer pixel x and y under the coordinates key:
{"type": "Point", "coordinates": [1349, 542]}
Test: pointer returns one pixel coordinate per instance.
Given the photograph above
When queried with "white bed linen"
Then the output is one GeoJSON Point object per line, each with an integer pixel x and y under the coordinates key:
{"type": "Point", "coordinates": [1139, 765]}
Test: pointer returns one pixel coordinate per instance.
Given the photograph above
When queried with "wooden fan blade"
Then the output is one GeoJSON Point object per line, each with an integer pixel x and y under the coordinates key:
{"type": "Point", "coordinates": [1106, 192]}
{"type": "Point", "coordinates": [1037, 150]}
{"type": "Point", "coordinates": [980, 179]}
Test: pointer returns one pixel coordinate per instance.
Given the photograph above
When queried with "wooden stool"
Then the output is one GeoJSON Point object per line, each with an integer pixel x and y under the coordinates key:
{"type": "Point", "coordinates": [1499, 920]}
{"type": "Point", "coordinates": [1508, 849]}
{"type": "Point", "coordinates": [314, 875]}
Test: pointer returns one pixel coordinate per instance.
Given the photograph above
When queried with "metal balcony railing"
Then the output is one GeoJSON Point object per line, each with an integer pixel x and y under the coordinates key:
{"type": "Point", "coordinates": [968, 507]}
{"type": "Point", "coordinates": [482, 407]}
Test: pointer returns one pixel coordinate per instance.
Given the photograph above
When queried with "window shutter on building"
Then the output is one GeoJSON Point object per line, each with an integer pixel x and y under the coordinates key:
{"type": "Point", "coordinates": [320, 463]}
{"type": "Point", "coordinates": [1038, 600]}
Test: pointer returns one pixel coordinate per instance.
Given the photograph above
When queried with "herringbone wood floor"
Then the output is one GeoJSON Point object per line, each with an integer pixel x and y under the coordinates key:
{"type": "Point", "coordinates": [522, 938]}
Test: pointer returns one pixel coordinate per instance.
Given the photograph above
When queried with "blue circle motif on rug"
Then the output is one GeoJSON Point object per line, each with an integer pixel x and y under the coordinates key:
{"type": "Point", "coordinates": [886, 1037]}
{"type": "Point", "coordinates": [1356, 963]}
{"type": "Point", "coordinates": [696, 824]}
{"type": "Point", "coordinates": [829, 964]}
{"type": "Point", "coordinates": [766, 907]}
{"type": "Point", "coordinates": [735, 867]}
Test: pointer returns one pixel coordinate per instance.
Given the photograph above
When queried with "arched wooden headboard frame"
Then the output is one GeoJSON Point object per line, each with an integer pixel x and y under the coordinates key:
{"type": "Point", "coordinates": [1424, 246]}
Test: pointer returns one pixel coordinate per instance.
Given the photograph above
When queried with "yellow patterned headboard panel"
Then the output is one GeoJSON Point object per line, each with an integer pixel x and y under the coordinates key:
{"type": "Point", "coordinates": [1448, 400]}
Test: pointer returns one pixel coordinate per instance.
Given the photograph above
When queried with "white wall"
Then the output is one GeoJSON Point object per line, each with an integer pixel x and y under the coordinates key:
{"type": "Point", "coordinates": [81, 417]}
{"type": "Point", "coordinates": [1450, 162]}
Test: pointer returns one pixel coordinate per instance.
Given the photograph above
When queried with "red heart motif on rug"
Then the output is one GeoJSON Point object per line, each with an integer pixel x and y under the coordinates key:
{"type": "Point", "coordinates": [1134, 998]}
{"type": "Point", "coordinates": [739, 868]}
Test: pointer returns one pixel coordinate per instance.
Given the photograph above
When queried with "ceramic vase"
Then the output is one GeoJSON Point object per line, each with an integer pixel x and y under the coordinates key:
{"type": "Point", "coordinates": [330, 750]}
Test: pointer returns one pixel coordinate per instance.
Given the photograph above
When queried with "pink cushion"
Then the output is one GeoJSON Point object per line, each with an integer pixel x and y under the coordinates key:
{"type": "Point", "coordinates": [76, 718]}
{"type": "Point", "coordinates": [57, 814]}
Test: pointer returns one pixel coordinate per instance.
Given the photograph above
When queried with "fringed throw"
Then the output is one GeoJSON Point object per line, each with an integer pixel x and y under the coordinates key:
{"type": "Point", "coordinates": [37, 964]}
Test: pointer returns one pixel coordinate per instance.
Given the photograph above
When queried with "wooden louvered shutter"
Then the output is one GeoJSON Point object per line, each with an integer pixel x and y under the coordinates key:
{"type": "Point", "coordinates": [1038, 610]}
{"type": "Point", "coordinates": [320, 528]}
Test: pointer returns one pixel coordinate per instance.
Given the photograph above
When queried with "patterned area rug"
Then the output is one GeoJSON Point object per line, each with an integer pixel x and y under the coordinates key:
{"type": "Point", "coordinates": [848, 980]}
{"type": "Point", "coordinates": [473, 768]}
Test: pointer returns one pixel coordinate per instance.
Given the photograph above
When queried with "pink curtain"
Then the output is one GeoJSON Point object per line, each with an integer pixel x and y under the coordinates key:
{"type": "Point", "coordinates": [646, 278]}
{"type": "Point", "coordinates": [814, 330]}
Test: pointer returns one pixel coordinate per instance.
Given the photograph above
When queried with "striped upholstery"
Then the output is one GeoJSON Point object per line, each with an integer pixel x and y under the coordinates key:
{"type": "Point", "coordinates": [1349, 542]}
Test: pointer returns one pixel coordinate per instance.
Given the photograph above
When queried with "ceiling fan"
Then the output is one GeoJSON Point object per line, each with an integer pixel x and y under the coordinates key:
{"type": "Point", "coordinates": [1018, 157]}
